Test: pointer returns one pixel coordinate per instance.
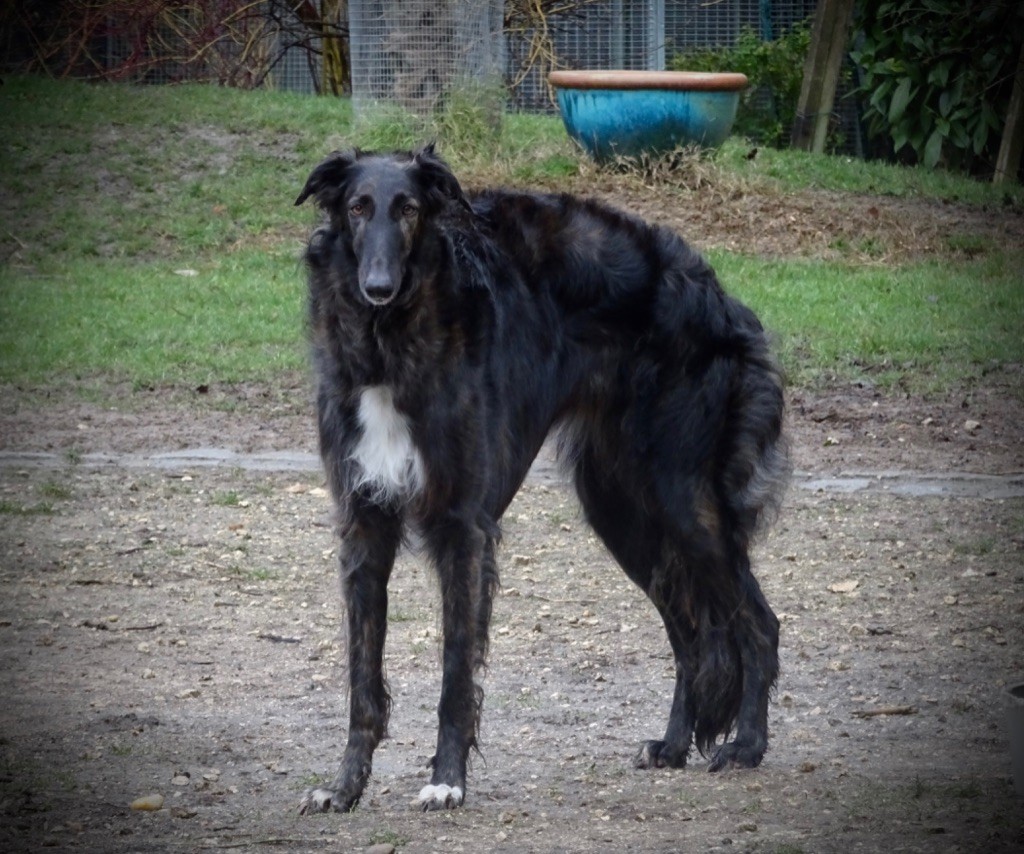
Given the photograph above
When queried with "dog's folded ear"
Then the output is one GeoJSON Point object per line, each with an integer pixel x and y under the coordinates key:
{"type": "Point", "coordinates": [326, 181]}
{"type": "Point", "coordinates": [438, 180]}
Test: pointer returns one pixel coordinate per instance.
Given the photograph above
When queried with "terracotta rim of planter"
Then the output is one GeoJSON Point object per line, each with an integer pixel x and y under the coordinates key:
{"type": "Point", "coordinates": [701, 81]}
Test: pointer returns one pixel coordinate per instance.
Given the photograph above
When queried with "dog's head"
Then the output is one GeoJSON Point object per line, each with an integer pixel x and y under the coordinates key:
{"type": "Point", "coordinates": [383, 202]}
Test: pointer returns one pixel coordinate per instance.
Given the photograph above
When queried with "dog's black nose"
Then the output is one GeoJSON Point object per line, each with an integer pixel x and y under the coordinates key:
{"type": "Point", "coordinates": [380, 296]}
{"type": "Point", "coordinates": [379, 289]}
{"type": "Point", "coordinates": [377, 283]}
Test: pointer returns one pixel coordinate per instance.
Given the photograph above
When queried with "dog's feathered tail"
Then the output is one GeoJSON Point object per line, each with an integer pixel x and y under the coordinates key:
{"type": "Point", "coordinates": [750, 487]}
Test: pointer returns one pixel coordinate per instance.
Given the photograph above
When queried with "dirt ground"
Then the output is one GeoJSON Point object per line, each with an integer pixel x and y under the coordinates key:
{"type": "Point", "coordinates": [175, 632]}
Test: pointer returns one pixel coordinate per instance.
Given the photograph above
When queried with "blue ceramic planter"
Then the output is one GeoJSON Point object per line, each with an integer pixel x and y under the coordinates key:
{"type": "Point", "coordinates": [628, 113]}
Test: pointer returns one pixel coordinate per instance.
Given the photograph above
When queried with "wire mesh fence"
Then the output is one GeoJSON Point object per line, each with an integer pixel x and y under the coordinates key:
{"type": "Point", "coordinates": [412, 52]}
{"type": "Point", "coordinates": [634, 34]}
{"type": "Point", "coordinates": [594, 34]}
{"type": "Point", "coordinates": [404, 52]}
{"type": "Point", "coordinates": [717, 23]}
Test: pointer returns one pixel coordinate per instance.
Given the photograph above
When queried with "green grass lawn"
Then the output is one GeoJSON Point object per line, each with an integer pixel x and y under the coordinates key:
{"type": "Point", "coordinates": [929, 324]}
{"type": "Point", "coordinates": [228, 320]}
{"type": "Point", "coordinates": [149, 236]}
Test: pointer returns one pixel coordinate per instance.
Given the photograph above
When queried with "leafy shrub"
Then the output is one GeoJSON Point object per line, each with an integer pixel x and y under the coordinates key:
{"type": "Point", "coordinates": [936, 76]}
{"type": "Point", "coordinates": [775, 70]}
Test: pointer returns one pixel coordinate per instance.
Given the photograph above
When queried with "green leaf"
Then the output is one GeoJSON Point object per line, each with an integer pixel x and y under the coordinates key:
{"type": "Point", "coordinates": [959, 136]}
{"type": "Point", "coordinates": [958, 89]}
{"type": "Point", "coordinates": [945, 103]}
{"type": "Point", "coordinates": [991, 117]}
{"type": "Point", "coordinates": [899, 139]}
{"type": "Point", "coordinates": [917, 140]}
{"type": "Point", "coordinates": [880, 94]}
{"type": "Point", "coordinates": [900, 99]}
{"type": "Point", "coordinates": [933, 149]}
{"type": "Point", "coordinates": [939, 75]}
{"type": "Point", "coordinates": [980, 137]}
{"type": "Point", "coordinates": [914, 40]}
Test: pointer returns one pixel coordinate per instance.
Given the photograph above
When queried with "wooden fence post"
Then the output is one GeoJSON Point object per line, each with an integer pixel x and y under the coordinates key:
{"type": "Point", "coordinates": [337, 73]}
{"type": "Point", "coordinates": [821, 74]}
{"type": "Point", "coordinates": [1008, 160]}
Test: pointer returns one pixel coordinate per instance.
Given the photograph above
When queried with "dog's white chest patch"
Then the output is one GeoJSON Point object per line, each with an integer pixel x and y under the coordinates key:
{"type": "Point", "coordinates": [388, 459]}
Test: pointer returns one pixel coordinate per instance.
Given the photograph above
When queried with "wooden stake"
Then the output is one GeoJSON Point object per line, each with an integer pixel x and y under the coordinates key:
{"type": "Point", "coordinates": [1008, 161]}
{"type": "Point", "coordinates": [821, 74]}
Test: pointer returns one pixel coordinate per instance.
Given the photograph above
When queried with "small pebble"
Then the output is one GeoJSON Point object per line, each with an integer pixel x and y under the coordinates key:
{"type": "Point", "coordinates": [149, 803]}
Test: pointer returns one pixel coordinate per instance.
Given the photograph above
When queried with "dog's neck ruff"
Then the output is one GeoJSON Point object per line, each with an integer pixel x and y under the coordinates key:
{"type": "Point", "coordinates": [389, 462]}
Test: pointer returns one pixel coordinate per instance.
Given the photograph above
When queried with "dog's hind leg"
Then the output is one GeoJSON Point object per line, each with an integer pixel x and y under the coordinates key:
{"type": "Point", "coordinates": [735, 646]}
{"type": "Point", "coordinates": [460, 549]}
{"type": "Point", "coordinates": [672, 750]}
{"type": "Point", "coordinates": [756, 629]}
{"type": "Point", "coordinates": [636, 541]}
{"type": "Point", "coordinates": [370, 540]}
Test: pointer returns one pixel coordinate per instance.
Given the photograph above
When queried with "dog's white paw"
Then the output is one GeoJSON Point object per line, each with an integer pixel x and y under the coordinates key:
{"type": "Point", "coordinates": [316, 800]}
{"type": "Point", "coordinates": [325, 800]}
{"type": "Point", "coordinates": [440, 797]}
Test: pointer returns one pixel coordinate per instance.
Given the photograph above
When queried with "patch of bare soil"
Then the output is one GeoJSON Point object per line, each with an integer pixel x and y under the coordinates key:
{"type": "Point", "coordinates": [824, 224]}
{"type": "Point", "coordinates": [840, 429]}
{"type": "Point", "coordinates": [178, 634]}
{"type": "Point", "coordinates": [714, 210]}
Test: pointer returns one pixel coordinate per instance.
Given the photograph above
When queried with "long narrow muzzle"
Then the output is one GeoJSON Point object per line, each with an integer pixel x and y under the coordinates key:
{"type": "Point", "coordinates": [381, 261]}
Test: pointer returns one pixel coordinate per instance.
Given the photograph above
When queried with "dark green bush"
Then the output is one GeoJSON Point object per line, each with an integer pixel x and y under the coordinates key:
{"type": "Point", "coordinates": [935, 76]}
{"type": "Point", "coordinates": [775, 70]}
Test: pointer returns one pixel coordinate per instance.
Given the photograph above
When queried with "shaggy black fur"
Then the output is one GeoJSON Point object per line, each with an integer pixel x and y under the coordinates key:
{"type": "Point", "coordinates": [450, 334]}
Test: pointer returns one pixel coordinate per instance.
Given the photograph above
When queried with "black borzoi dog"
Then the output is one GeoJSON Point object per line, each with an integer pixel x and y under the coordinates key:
{"type": "Point", "coordinates": [450, 334]}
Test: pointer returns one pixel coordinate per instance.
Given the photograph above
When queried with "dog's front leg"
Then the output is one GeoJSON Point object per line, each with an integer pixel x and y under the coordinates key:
{"type": "Point", "coordinates": [458, 547]}
{"type": "Point", "coordinates": [370, 541]}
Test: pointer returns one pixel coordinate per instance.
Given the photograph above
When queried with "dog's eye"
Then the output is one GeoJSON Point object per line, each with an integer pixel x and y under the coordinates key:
{"type": "Point", "coordinates": [356, 209]}
{"type": "Point", "coordinates": [409, 210]}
